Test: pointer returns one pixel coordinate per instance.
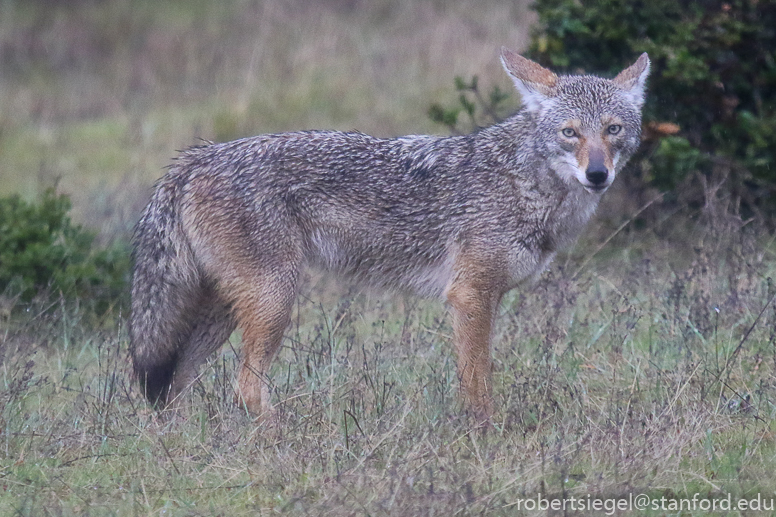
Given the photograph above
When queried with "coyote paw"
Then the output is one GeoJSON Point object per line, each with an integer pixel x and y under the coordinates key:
{"type": "Point", "coordinates": [255, 406]}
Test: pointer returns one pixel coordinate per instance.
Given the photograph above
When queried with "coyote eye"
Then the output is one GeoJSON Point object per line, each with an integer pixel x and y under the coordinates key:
{"type": "Point", "coordinates": [568, 132]}
{"type": "Point", "coordinates": [614, 129]}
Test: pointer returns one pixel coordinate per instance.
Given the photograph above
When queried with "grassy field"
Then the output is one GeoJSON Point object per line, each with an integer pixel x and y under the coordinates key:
{"type": "Point", "coordinates": [643, 362]}
{"type": "Point", "coordinates": [645, 372]}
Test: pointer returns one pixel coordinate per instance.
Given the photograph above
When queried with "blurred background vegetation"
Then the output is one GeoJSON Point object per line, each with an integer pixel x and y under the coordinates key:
{"type": "Point", "coordinates": [97, 95]}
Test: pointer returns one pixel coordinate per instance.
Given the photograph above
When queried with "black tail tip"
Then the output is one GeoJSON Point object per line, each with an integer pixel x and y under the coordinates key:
{"type": "Point", "coordinates": [155, 382]}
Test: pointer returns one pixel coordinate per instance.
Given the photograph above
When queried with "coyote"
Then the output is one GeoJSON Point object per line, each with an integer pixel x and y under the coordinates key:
{"type": "Point", "coordinates": [230, 226]}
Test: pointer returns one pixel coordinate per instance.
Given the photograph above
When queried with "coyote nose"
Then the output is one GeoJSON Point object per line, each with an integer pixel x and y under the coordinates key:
{"type": "Point", "coordinates": [597, 175]}
{"type": "Point", "coordinates": [596, 172]}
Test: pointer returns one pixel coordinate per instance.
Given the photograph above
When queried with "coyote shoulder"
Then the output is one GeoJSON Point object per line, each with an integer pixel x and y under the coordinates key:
{"type": "Point", "coordinates": [230, 227]}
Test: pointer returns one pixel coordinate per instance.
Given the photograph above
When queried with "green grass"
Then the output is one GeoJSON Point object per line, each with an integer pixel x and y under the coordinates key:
{"type": "Point", "coordinates": [651, 375]}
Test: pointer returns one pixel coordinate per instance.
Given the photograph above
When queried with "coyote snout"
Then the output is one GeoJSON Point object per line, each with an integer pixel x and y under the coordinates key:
{"type": "Point", "coordinates": [231, 226]}
{"type": "Point", "coordinates": [597, 173]}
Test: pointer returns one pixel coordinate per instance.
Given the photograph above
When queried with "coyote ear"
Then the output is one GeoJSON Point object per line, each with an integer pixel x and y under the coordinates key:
{"type": "Point", "coordinates": [633, 80]}
{"type": "Point", "coordinates": [534, 83]}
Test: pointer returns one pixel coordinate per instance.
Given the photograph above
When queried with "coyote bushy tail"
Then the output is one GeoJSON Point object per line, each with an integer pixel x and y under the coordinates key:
{"type": "Point", "coordinates": [230, 226]}
{"type": "Point", "coordinates": [176, 318]}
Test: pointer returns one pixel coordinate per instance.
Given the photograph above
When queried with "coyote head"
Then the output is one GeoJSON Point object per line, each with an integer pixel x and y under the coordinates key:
{"type": "Point", "coordinates": [585, 126]}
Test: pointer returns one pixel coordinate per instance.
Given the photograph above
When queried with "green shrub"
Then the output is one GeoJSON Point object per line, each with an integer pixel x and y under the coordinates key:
{"type": "Point", "coordinates": [42, 250]}
{"type": "Point", "coordinates": [480, 110]}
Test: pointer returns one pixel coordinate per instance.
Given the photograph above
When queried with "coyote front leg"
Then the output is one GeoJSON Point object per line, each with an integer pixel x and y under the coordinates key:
{"type": "Point", "coordinates": [473, 308]}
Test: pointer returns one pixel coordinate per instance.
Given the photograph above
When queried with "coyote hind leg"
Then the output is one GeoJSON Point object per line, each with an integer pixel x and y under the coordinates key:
{"type": "Point", "coordinates": [263, 310]}
{"type": "Point", "coordinates": [212, 324]}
